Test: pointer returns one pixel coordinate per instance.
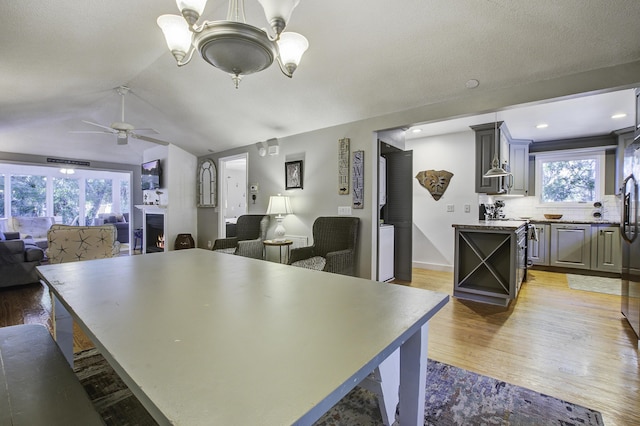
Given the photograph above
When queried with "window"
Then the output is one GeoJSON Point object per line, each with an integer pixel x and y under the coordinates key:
{"type": "Point", "coordinates": [28, 195]}
{"type": "Point", "coordinates": [66, 206]}
{"type": "Point", "coordinates": [570, 177]}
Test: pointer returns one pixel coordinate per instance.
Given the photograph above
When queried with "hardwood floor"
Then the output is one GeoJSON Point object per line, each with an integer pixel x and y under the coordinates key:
{"type": "Point", "coordinates": [570, 344]}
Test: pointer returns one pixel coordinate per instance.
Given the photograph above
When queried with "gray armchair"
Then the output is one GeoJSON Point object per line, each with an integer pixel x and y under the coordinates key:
{"type": "Point", "coordinates": [251, 230]}
{"type": "Point", "coordinates": [18, 260]}
{"type": "Point", "coordinates": [334, 246]}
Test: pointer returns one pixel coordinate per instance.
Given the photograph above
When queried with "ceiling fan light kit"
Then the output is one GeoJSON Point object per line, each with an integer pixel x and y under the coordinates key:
{"type": "Point", "coordinates": [232, 45]}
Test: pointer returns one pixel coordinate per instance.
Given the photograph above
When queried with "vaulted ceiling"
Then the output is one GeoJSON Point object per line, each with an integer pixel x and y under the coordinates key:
{"type": "Point", "coordinates": [62, 60]}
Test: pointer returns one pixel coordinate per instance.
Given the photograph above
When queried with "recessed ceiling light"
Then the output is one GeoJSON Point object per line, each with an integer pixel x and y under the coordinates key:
{"type": "Point", "coordinates": [620, 115]}
{"type": "Point", "coordinates": [542, 126]}
{"type": "Point", "coordinates": [472, 84]}
{"type": "Point", "coordinates": [416, 130]}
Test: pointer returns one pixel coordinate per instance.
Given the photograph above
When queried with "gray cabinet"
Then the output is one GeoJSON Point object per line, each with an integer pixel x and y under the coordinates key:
{"type": "Point", "coordinates": [570, 246]}
{"type": "Point", "coordinates": [539, 250]}
{"type": "Point", "coordinates": [519, 166]}
{"type": "Point", "coordinates": [606, 248]}
{"type": "Point", "coordinates": [485, 152]}
{"type": "Point", "coordinates": [489, 264]}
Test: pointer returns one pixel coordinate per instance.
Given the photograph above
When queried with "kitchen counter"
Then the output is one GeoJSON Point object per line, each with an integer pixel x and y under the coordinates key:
{"type": "Point", "coordinates": [492, 225]}
{"type": "Point", "coordinates": [577, 222]}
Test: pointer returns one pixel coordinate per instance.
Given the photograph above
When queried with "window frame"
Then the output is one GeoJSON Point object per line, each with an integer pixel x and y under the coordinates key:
{"type": "Point", "coordinates": [597, 154]}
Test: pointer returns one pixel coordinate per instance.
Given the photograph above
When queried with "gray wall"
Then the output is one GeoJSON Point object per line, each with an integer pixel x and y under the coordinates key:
{"type": "Point", "coordinates": [319, 149]}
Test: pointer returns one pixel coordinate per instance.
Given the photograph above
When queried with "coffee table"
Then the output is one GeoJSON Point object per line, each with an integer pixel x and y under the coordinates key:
{"type": "Point", "coordinates": [207, 338]}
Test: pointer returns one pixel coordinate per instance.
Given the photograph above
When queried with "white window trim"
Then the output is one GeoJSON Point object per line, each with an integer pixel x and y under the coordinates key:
{"type": "Point", "coordinates": [574, 154]}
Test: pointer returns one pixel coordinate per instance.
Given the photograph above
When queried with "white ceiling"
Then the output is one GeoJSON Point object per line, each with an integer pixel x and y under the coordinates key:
{"type": "Point", "coordinates": [61, 61]}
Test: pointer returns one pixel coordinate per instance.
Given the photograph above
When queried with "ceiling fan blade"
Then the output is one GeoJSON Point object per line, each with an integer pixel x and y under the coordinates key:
{"type": "Point", "coordinates": [148, 139]}
{"type": "Point", "coordinates": [91, 131]}
{"type": "Point", "coordinates": [154, 131]}
{"type": "Point", "coordinates": [100, 125]}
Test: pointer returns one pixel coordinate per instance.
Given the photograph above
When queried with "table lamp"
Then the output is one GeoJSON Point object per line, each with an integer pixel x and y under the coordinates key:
{"type": "Point", "coordinates": [279, 205]}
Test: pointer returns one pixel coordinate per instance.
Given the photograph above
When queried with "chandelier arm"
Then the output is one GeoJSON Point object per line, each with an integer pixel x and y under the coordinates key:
{"type": "Point", "coordinates": [188, 56]}
{"type": "Point", "coordinates": [284, 70]}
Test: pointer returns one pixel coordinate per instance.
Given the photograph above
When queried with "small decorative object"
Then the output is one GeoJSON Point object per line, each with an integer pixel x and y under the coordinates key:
{"type": "Point", "coordinates": [207, 183]}
{"type": "Point", "coordinates": [293, 174]}
{"type": "Point", "coordinates": [343, 166]}
{"type": "Point", "coordinates": [436, 181]}
{"type": "Point", "coordinates": [358, 180]}
{"type": "Point", "coordinates": [184, 241]}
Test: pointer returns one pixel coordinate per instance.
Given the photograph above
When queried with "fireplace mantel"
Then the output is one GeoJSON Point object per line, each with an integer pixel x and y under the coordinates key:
{"type": "Point", "coordinates": [152, 208]}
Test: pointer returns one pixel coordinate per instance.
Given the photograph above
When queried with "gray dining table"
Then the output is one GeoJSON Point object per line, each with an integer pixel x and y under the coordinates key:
{"type": "Point", "coordinates": [206, 338]}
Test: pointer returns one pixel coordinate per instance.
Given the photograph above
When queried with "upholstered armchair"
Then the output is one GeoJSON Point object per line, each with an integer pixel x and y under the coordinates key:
{"type": "Point", "coordinates": [251, 230]}
{"type": "Point", "coordinates": [18, 259]}
{"type": "Point", "coordinates": [74, 243]}
{"type": "Point", "coordinates": [334, 246]}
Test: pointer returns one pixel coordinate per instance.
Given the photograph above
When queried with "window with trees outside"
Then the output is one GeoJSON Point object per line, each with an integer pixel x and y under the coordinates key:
{"type": "Point", "coordinates": [73, 199]}
{"type": "Point", "coordinates": [570, 177]}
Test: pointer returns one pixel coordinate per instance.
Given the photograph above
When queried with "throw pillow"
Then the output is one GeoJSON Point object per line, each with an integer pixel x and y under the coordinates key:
{"type": "Point", "coordinates": [111, 219]}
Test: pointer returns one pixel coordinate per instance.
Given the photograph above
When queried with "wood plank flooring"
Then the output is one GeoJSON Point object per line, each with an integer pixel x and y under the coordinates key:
{"type": "Point", "coordinates": [570, 344]}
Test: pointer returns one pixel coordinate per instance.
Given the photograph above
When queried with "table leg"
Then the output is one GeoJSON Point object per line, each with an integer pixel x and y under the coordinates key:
{"type": "Point", "coordinates": [63, 329]}
{"type": "Point", "coordinates": [413, 378]}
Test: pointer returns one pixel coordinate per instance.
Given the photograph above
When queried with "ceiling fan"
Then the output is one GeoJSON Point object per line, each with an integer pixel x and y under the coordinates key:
{"type": "Point", "coordinates": [122, 129]}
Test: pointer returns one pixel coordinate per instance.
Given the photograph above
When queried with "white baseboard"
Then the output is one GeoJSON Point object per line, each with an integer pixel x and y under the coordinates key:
{"type": "Point", "coordinates": [432, 266]}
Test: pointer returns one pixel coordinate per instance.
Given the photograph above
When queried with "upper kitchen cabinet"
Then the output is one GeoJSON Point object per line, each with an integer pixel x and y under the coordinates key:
{"type": "Point", "coordinates": [519, 165]}
{"type": "Point", "coordinates": [513, 155]}
{"type": "Point", "coordinates": [486, 150]}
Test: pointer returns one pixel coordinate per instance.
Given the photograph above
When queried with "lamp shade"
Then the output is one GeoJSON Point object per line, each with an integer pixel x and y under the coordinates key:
{"type": "Point", "coordinates": [279, 205]}
{"type": "Point", "coordinates": [278, 9]}
{"type": "Point", "coordinates": [176, 33]}
{"type": "Point", "coordinates": [292, 46]}
{"type": "Point", "coordinates": [194, 5]}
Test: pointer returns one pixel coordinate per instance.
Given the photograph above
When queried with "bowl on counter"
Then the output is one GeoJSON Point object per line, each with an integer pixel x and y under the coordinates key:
{"type": "Point", "coordinates": [552, 216]}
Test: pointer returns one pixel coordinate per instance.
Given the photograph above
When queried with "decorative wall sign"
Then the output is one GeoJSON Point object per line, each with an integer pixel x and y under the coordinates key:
{"type": "Point", "coordinates": [343, 166]}
{"type": "Point", "coordinates": [293, 174]}
{"type": "Point", "coordinates": [436, 181]}
{"type": "Point", "coordinates": [358, 179]}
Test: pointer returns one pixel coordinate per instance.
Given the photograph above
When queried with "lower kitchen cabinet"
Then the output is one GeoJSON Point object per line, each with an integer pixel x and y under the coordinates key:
{"type": "Point", "coordinates": [570, 246]}
{"type": "Point", "coordinates": [539, 249]}
{"type": "Point", "coordinates": [606, 249]}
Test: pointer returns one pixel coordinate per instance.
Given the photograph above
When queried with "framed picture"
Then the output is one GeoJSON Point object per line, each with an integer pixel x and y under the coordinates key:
{"type": "Point", "coordinates": [293, 174]}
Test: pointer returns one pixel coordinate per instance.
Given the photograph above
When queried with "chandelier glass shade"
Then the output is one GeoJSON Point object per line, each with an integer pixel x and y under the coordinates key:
{"type": "Point", "coordinates": [234, 46]}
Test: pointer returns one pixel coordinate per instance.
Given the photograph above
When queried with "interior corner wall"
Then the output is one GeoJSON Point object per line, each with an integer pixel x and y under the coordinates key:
{"type": "Point", "coordinates": [433, 234]}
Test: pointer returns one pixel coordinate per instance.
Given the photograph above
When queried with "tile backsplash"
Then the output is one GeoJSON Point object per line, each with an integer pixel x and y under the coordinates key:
{"type": "Point", "coordinates": [516, 207]}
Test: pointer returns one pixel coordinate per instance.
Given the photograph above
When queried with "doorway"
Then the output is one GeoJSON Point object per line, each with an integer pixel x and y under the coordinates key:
{"type": "Point", "coordinates": [232, 187]}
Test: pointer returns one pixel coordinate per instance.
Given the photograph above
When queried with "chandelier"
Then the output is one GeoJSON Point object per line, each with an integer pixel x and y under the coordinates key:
{"type": "Point", "coordinates": [234, 46]}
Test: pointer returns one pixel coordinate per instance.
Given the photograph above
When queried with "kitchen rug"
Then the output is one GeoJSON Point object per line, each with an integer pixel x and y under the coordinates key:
{"type": "Point", "coordinates": [595, 284]}
{"type": "Point", "coordinates": [454, 397]}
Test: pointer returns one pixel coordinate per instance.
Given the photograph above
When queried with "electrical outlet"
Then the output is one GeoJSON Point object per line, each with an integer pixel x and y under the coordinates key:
{"type": "Point", "coordinates": [209, 245]}
{"type": "Point", "coordinates": [449, 208]}
{"type": "Point", "coordinates": [467, 208]}
{"type": "Point", "coordinates": [344, 210]}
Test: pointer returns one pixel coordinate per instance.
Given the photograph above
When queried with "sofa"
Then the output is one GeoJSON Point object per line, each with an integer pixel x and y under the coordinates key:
{"type": "Point", "coordinates": [33, 228]}
{"type": "Point", "coordinates": [121, 222]}
{"type": "Point", "coordinates": [18, 259]}
{"type": "Point", "coordinates": [69, 243]}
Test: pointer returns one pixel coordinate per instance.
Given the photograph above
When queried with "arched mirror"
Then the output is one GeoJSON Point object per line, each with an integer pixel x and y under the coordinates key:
{"type": "Point", "coordinates": [207, 183]}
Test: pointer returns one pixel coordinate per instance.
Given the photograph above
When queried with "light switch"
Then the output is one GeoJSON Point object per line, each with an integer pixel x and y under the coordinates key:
{"type": "Point", "coordinates": [344, 210]}
{"type": "Point", "coordinates": [449, 208]}
{"type": "Point", "coordinates": [467, 208]}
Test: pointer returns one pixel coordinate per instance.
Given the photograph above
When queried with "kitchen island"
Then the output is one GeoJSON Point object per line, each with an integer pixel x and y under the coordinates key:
{"type": "Point", "coordinates": [490, 260]}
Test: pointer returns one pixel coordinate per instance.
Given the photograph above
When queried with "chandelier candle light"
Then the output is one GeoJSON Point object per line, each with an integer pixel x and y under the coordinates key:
{"type": "Point", "coordinates": [233, 45]}
{"type": "Point", "coordinates": [279, 205]}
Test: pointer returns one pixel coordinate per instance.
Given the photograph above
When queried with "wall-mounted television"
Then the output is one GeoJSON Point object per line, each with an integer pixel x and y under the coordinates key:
{"type": "Point", "coordinates": [151, 175]}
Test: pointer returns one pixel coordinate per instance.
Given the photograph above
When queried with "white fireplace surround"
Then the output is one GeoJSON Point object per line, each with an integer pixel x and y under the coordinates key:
{"type": "Point", "coordinates": [155, 210]}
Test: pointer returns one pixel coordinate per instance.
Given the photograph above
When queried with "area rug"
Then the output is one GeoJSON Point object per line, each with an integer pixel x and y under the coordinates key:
{"type": "Point", "coordinates": [454, 397]}
{"type": "Point", "coordinates": [595, 284]}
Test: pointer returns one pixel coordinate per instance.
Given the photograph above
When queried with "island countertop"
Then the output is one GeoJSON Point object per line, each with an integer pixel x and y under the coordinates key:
{"type": "Point", "coordinates": [492, 225]}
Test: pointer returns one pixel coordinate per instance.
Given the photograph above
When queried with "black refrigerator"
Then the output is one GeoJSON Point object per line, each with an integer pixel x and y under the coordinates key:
{"type": "Point", "coordinates": [630, 239]}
